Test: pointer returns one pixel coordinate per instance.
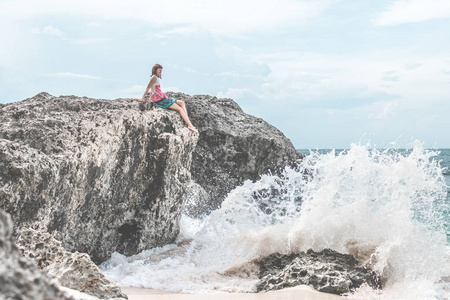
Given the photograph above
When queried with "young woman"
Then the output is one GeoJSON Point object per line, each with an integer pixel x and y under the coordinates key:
{"type": "Point", "coordinates": [161, 100]}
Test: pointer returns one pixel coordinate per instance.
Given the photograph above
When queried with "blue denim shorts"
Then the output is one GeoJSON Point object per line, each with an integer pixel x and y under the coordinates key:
{"type": "Point", "coordinates": [164, 102]}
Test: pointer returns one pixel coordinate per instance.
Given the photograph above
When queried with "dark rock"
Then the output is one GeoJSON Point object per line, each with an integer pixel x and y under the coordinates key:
{"type": "Point", "coordinates": [19, 278]}
{"type": "Point", "coordinates": [233, 147]}
{"type": "Point", "coordinates": [327, 271]}
{"type": "Point", "coordinates": [100, 175]}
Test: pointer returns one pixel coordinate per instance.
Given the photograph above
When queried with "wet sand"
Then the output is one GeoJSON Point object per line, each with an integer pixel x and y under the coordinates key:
{"type": "Point", "coordinates": [301, 292]}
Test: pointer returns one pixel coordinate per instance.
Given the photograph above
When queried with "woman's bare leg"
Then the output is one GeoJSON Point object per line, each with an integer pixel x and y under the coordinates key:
{"type": "Point", "coordinates": [184, 116]}
{"type": "Point", "coordinates": [183, 105]}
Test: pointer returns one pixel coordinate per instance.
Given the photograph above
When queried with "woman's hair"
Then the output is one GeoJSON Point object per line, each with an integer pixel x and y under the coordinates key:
{"type": "Point", "coordinates": [156, 67]}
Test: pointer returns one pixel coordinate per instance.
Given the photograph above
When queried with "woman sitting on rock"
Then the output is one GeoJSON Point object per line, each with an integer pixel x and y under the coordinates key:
{"type": "Point", "coordinates": [161, 100]}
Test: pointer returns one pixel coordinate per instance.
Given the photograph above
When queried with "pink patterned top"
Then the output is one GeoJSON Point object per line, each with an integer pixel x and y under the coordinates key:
{"type": "Point", "coordinates": [155, 91]}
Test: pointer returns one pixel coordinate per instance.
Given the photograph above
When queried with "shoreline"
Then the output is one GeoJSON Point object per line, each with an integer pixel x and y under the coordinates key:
{"type": "Point", "coordinates": [297, 292]}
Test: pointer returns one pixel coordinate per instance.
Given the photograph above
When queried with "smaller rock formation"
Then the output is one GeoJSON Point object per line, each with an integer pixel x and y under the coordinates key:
{"type": "Point", "coordinates": [19, 278]}
{"type": "Point", "coordinates": [72, 270]}
{"type": "Point", "coordinates": [327, 271]}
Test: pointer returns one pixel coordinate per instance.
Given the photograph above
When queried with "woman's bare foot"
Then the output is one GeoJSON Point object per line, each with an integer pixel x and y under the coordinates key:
{"type": "Point", "coordinates": [193, 129]}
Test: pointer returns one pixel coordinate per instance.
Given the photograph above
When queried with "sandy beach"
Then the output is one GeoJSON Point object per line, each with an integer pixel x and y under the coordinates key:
{"type": "Point", "coordinates": [301, 292]}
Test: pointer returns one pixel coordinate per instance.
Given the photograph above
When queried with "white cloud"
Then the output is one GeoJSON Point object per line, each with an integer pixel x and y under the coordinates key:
{"type": "Point", "coordinates": [94, 24]}
{"type": "Point", "coordinates": [386, 110]}
{"type": "Point", "coordinates": [228, 74]}
{"type": "Point", "coordinates": [134, 90]}
{"type": "Point", "coordinates": [91, 41]}
{"type": "Point", "coordinates": [411, 11]}
{"type": "Point", "coordinates": [344, 81]}
{"type": "Point", "coordinates": [412, 66]}
{"type": "Point", "coordinates": [391, 77]}
{"type": "Point", "coordinates": [175, 31]}
{"type": "Point", "coordinates": [50, 30]}
{"type": "Point", "coordinates": [190, 70]}
{"type": "Point", "coordinates": [172, 89]}
{"type": "Point", "coordinates": [228, 51]}
{"type": "Point", "coordinates": [221, 17]}
{"type": "Point", "coordinates": [238, 93]}
{"type": "Point", "coordinates": [73, 75]}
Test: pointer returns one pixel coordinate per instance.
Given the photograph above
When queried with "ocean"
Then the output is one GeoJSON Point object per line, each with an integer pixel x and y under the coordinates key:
{"type": "Point", "coordinates": [389, 208]}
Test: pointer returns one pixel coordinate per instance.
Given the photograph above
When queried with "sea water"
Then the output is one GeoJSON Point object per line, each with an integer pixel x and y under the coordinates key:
{"type": "Point", "coordinates": [388, 208]}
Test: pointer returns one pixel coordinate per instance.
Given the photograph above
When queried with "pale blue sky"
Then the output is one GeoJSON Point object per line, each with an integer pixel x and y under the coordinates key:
{"type": "Point", "coordinates": [326, 72]}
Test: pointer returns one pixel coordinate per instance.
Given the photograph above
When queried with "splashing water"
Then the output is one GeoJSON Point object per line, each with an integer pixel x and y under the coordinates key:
{"type": "Point", "coordinates": [387, 208]}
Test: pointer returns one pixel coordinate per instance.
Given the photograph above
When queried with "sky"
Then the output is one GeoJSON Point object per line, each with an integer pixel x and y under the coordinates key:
{"type": "Point", "coordinates": [327, 73]}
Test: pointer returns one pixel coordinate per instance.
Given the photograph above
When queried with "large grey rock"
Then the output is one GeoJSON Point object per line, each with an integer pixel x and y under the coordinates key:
{"type": "Point", "coordinates": [327, 271]}
{"type": "Point", "coordinates": [104, 176]}
{"type": "Point", "coordinates": [72, 270]}
{"type": "Point", "coordinates": [233, 147]}
{"type": "Point", "coordinates": [100, 175]}
{"type": "Point", "coordinates": [19, 278]}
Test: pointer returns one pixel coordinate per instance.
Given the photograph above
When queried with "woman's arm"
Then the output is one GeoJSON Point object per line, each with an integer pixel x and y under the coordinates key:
{"type": "Point", "coordinates": [152, 81]}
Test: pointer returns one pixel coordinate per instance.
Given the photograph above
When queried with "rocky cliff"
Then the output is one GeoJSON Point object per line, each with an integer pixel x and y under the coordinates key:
{"type": "Point", "coordinates": [113, 175]}
{"type": "Point", "coordinates": [233, 147]}
{"type": "Point", "coordinates": [100, 175]}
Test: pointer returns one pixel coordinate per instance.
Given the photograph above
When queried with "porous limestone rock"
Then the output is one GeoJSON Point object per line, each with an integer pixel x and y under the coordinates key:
{"type": "Point", "coordinates": [233, 147]}
{"type": "Point", "coordinates": [104, 176]}
{"type": "Point", "coordinates": [72, 270]}
{"type": "Point", "coordinates": [327, 271]}
{"type": "Point", "coordinates": [19, 278]}
{"type": "Point", "coordinates": [100, 175]}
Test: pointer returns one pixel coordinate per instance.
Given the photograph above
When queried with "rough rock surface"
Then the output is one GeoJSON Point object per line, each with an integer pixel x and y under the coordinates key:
{"type": "Point", "coordinates": [100, 175]}
{"type": "Point", "coordinates": [327, 271]}
{"type": "Point", "coordinates": [72, 270]}
{"type": "Point", "coordinates": [104, 176]}
{"type": "Point", "coordinates": [19, 278]}
{"type": "Point", "coordinates": [233, 147]}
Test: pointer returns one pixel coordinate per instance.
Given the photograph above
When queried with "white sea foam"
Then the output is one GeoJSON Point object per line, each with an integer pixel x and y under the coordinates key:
{"type": "Point", "coordinates": [384, 207]}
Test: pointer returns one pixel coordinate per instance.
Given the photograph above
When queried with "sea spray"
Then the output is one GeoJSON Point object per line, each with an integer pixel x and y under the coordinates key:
{"type": "Point", "coordinates": [387, 208]}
